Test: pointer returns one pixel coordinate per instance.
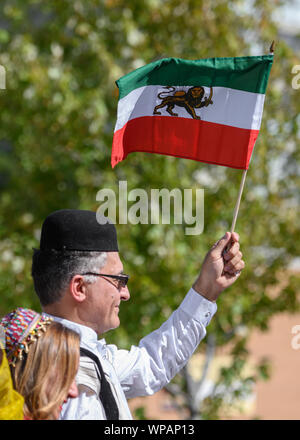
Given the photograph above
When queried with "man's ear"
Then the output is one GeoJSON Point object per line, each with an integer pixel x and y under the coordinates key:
{"type": "Point", "coordinates": [78, 288]}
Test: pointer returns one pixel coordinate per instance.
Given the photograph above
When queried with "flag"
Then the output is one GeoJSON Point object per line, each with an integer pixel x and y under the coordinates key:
{"type": "Point", "coordinates": [207, 110]}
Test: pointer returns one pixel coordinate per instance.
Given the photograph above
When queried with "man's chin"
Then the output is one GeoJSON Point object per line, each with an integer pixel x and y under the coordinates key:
{"type": "Point", "coordinates": [113, 326]}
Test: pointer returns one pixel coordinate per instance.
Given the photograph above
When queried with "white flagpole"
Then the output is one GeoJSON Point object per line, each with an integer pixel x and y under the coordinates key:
{"type": "Point", "coordinates": [237, 205]}
{"type": "Point", "coordinates": [238, 202]}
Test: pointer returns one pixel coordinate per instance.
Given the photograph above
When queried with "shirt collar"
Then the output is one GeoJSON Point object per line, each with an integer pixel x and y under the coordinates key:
{"type": "Point", "coordinates": [87, 334]}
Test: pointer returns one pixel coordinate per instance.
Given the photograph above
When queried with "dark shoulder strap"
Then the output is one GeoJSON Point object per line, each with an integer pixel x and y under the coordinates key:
{"type": "Point", "coordinates": [106, 396]}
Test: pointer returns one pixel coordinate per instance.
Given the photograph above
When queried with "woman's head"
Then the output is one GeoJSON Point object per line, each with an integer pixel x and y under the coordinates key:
{"type": "Point", "coordinates": [44, 358]}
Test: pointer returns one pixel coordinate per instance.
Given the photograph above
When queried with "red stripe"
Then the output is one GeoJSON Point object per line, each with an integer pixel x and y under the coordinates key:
{"type": "Point", "coordinates": [187, 138]}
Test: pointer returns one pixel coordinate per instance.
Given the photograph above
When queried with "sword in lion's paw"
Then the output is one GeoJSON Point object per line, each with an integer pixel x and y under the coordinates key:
{"type": "Point", "coordinates": [209, 100]}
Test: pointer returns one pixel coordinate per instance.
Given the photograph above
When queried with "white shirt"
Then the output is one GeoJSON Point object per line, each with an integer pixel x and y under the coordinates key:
{"type": "Point", "coordinates": [146, 368]}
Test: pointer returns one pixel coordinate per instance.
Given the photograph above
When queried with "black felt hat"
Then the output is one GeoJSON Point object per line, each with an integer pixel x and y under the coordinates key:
{"type": "Point", "coordinates": [78, 230]}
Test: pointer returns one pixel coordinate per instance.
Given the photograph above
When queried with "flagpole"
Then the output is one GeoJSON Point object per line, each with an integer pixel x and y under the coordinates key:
{"type": "Point", "coordinates": [238, 202]}
{"type": "Point", "coordinates": [242, 184]}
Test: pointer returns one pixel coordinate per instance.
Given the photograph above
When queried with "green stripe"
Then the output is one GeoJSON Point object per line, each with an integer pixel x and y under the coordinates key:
{"type": "Point", "coordinates": [242, 73]}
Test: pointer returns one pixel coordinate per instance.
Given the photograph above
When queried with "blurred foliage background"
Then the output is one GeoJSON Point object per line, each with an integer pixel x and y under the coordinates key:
{"type": "Point", "coordinates": [58, 111]}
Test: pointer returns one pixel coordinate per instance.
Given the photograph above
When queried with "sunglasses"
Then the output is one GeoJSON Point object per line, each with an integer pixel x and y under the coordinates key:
{"type": "Point", "coordinates": [122, 279]}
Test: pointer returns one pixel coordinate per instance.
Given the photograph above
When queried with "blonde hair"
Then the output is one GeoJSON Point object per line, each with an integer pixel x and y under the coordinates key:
{"type": "Point", "coordinates": [47, 371]}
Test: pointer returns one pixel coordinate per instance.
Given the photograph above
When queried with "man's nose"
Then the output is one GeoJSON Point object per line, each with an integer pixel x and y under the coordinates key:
{"type": "Point", "coordinates": [125, 295]}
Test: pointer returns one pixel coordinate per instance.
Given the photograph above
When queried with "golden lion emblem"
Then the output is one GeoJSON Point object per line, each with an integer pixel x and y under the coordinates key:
{"type": "Point", "coordinates": [190, 100]}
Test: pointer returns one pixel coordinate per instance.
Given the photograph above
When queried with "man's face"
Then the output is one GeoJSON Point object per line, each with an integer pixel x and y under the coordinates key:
{"type": "Point", "coordinates": [104, 296]}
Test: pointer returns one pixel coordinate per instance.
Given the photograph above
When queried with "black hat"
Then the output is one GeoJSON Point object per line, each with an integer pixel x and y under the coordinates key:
{"type": "Point", "coordinates": [78, 230]}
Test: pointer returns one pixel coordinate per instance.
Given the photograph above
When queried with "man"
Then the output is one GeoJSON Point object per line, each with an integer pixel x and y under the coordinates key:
{"type": "Point", "coordinates": [78, 276]}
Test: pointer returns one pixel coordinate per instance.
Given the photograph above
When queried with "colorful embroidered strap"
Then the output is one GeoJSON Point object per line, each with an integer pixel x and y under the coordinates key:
{"type": "Point", "coordinates": [22, 327]}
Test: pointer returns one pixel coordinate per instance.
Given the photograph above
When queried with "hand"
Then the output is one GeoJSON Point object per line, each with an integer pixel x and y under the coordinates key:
{"type": "Point", "coordinates": [221, 267]}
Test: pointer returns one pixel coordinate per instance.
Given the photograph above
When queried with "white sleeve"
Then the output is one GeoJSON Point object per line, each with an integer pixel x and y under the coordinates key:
{"type": "Point", "coordinates": [84, 407]}
{"type": "Point", "coordinates": [160, 355]}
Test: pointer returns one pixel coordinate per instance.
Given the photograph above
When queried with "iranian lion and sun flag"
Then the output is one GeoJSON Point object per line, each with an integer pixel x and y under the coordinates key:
{"type": "Point", "coordinates": [208, 110]}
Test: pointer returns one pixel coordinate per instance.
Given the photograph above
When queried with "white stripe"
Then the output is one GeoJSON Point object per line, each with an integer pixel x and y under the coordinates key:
{"type": "Point", "coordinates": [232, 107]}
